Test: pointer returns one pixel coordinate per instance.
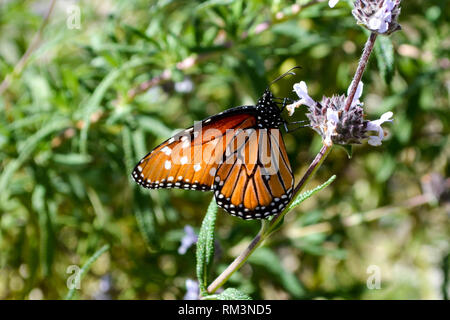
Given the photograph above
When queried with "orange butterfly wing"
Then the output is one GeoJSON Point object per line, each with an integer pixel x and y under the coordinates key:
{"type": "Point", "coordinates": [255, 179]}
{"type": "Point", "coordinates": [189, 159]}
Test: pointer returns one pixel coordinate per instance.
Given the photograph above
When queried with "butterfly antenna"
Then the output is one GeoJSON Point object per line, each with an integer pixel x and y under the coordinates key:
{"type": "Point", "coordinates": [289, 72]}
{"type": "Point", "coordinates": [295, 122]}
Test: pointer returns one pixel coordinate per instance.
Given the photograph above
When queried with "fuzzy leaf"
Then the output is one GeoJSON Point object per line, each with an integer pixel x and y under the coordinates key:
{"type": "Point", "coordinates": [348, 149]}
{"type": "Point", "coordinates": [146, 224]}
{"type": "Point", "coordinates": [205, 246]}
{"type": "Point", "coordinates": [305, 195]}
{"type": "Point", "coordinates": [229, 294]}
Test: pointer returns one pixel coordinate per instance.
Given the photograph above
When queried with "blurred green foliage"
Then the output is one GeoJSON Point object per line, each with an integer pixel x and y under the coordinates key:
{"type": "Point", "coordinates": [90, 102]}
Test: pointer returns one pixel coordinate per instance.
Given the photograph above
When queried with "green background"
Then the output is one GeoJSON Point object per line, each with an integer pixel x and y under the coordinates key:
{"type": "Point", "coordinates": [73, 123]}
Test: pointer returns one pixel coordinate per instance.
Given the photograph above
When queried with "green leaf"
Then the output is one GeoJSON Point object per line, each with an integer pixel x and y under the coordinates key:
{"type": "Point", "coordinates": [26, 151]}
{"type": "Point", "coordinates": [205, 246]}
{"type": "Point", "coordinates": [319, 249]}
{"type": "Point", "coordinates": [146, 224]}
{"type": "Point", "coordinates": [348, 149]}
{"type": "Point", "coordinates": [255, 61]}
{"type": "Point", "coordinates": [127, 149]}
{"type": "Point", "coordinates": [154, 126]}
{"type": "Point", "coordinates": [86, 267]}
{"type": "Point", "coordinates": [305, 195]}
{"type": "Point", "coordinates": [212, 3]}
{"type": "Point", "coordinates": [384, 52]}
{"type": "Point", "coordinates": [94, 102]}
{"type": "Point", "coordinates": [71, 159]}
{"type": "Point", "coordinates": [46, 234]}
{"type": "Point", "coordinates": [229, 294]}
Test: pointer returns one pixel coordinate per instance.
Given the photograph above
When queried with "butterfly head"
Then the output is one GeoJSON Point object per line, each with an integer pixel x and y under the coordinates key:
{"type": "Point", "coordinates": [268, 112]}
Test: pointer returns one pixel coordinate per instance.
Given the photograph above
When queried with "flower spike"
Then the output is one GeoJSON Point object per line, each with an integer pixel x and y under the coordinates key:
{"type": "Point", "coordinates": [379, 16]}
{"type": "Point", "coordinates": [336, 125]}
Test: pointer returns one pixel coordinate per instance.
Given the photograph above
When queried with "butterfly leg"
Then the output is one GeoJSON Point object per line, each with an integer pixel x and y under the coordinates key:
{"type": "Point", "coordinates": [295, 129]}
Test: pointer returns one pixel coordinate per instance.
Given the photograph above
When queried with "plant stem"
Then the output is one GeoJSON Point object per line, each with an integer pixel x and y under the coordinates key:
{"type": "Point", "coordinates": [313, 167]}
{"type": "Point", "coordinates": [34, 44]}
{"type": "Point", "coordinates": [266, 230]}
{"type": "Point", "coordinates": [360, 70]}
{"type": "Point", "coordinates": [236, 264]}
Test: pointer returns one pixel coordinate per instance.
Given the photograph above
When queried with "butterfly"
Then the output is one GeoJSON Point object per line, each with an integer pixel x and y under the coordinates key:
{"type": "Point", "coordinates": [239, 154]}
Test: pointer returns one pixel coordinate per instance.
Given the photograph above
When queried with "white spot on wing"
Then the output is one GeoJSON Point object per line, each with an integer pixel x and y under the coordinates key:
{"type": "Point", "coordinates": [166, 150]}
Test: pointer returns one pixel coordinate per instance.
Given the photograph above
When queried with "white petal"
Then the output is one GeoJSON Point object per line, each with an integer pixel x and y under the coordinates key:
{"type": "Point", "coordinates": [376, 127]}
{"type": "Point", "coordinates": [332, 3]}
{"type": "Point", "coordinates": [374, 141]}
{"type": "Point", "coordinates": [291, 107]}
{"type": "Point", "coordinates": [384, 27]}
{"type": "Point", "coordinates": [330, 126]}
{"type": "Point", "coordinates": [389, 4]}
{"type": "Point", "coordinates": [358, 93]}
{"type": "Point", "coordinates": [302, 85]}
{"type": "Point", "coordinates": [381, 19]}
{"type": "Point", "coordinates": [332, 115]}
{"type": "Point", "coordinates": [302, 91]}
{"type": "Point", "coordinates": [385, 117]}
{"type": "Point", "coordinates": [374, 23]}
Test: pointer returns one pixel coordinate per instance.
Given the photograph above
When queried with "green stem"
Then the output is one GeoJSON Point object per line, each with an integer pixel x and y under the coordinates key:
{"type": "Point", "coordinates": [236, 264]}
{"type": "Point", "coordinates": [33, 46]}
{"type": "Point", "coordinates": [313, 167]}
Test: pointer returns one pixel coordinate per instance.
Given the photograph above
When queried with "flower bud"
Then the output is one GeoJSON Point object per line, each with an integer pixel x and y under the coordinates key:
{"type": "Point", "coordinates": [378, 16]}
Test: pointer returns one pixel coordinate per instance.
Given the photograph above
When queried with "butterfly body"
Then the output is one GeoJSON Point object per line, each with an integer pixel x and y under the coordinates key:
{"type": "Point", "coordinates": [268, 113]}
{"type": "Point", "coordinates": [239, 154]}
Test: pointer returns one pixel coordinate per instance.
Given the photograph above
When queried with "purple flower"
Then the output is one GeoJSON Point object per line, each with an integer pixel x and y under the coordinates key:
{"type": "Point", "coordinates": [104, 290]}
{"type": "Point", "coordinates": [382, 17]}
{"type": "Point", "coordinates": [302, 91]}
{"type": "Point", "coordinates": [192, 291]}
{"type": "Point", "coordinates": [358, 93]}
{"type": "Point", "coordinates": [336, 124]}
{"type": "Point", "coordinates": [378, 16]}
{"type": "Point", "coordinates": [184, 86]}
{"type": "Point", "coordinates": [376, 127]}
{"type": "Point", "coordinates": [188, 240]}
